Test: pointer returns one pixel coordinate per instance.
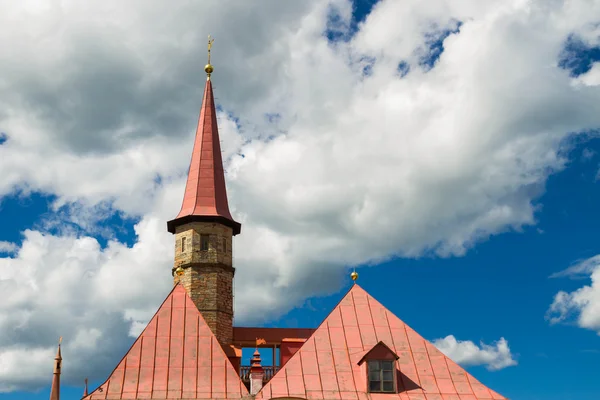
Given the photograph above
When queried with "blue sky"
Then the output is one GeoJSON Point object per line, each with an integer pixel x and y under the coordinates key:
{"type": "Point", "coordinates": [477, 281]}
{"type": "Point", "coordinates": [501, 287]}
{"type": "Point", "coordinates": [504, 282]}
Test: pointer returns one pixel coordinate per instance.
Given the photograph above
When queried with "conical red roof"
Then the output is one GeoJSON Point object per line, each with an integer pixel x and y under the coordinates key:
{"type": "Point", "coordinates": [205, 197]}
{"type": "Point", "coordinates": [327, 365]}
{"type": "Point", "coordinates": [177, 357]}
{"type": "Point", "coordinates": [55, 390]}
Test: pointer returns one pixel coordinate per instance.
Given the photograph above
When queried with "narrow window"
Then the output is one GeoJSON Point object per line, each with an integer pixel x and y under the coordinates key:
{"type": "Point", "coordinates": [204, 242]}
{"type": "Point", "coordinates": [224, 245]}
{"type": "Point", "coordinates": [183, 240]}
{"type": "Point", "coordinates": [381, 376]}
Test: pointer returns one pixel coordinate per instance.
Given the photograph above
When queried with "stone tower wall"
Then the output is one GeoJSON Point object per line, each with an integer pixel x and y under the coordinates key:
{"type": "Point", "coordinates": [208, 274]}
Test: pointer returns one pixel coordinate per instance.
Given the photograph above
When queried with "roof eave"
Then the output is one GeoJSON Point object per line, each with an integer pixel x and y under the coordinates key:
{"type": "Point", "coordinates": [174, 223]}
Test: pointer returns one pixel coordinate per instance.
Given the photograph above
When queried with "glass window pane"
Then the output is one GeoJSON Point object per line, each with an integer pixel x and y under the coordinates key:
{"type": "Point", "coordinates": [388, 375]}
{"type": "Point", "coordinates": [374, 386]}
{"type": "Point", "coordinates": [204, 239]}
{"type": "Point", "coordinates": [374, 376]}
{"type": "Point", "coordinates": [374, 365]}
{"type": "Point", "coordinates": [388, 386]}
{"type": "Point", "coordinates": [388, 365]}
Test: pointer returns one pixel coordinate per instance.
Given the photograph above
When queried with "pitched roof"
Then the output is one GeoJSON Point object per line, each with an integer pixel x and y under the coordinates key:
{"type": "Point", "coordinates": [205, 195]}
{"type": "Point", "coordinates": [326, 366]}
{"type": "Point", "coordinates": [176, 356]}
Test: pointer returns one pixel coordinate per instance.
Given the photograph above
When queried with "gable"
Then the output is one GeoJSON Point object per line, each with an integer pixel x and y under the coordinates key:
{"type": "Point", "coordinates": [326, 366]}
{"type": "Point", "coordinates": [176, 356]}
{"type": "Point", "coordinates": [380, 351]}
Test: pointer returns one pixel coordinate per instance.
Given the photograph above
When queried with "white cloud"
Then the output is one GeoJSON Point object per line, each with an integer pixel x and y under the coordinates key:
{"type": "Point", "coordinates": [592, 77]}
{"type": "Point", "coordinates": [8, 247]}
{"type": "Point", "coordinates": [99, 105]}
{"type": "Point", "coordinates": [466, 353]}
{"type": "Point", "coordinates": [583, 304]}
{"type": "Point", "coordinates": [69, 286]}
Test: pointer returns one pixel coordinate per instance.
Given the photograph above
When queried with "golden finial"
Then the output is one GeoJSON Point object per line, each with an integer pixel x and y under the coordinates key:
{"type": "Point", "coordinates": [59, 340]}
{"type": "Point", "coordinates": [354, 276]}
{"type": "Point", "coordinates": [179, 271]}
{"type": "Point", "coordinates": [208, 68]}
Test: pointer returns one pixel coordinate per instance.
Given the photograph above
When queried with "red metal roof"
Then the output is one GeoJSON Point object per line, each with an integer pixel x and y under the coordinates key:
{"type": "Point", "coordinates": [176, 356]}
{"type": "Point", "coordinates": [205, 197]}
{"type": "Point", "coordinates": [326, 366]}
{"type": "Point", "coordinates": [55, 390]}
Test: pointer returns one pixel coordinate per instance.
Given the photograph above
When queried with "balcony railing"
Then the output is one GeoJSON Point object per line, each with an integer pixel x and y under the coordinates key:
{"type": "Point", "coordinates": [269, 372]}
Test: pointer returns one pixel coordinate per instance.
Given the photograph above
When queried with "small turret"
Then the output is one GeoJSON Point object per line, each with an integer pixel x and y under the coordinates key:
{"type": "Point", "coordinates": [55, 390]}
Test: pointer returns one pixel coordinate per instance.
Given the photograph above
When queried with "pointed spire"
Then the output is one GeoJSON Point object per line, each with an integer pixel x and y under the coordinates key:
{"type": "Point", "coordinates": [205, 198]}
{"type": "Point", "coordinates": [257, 373]}
{"type": "Point", "coordinates": [85, 390]}
{"type": "Point", "coordinates": [55, 390]}
{"type": "Point", "coordinates": [255, 362]}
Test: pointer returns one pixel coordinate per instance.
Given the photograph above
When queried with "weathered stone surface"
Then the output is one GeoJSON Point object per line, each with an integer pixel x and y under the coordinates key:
{"type": "Point", "coordinates": [208, 274]}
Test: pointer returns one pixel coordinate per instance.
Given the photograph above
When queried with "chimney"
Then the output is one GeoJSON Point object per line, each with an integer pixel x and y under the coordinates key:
{"type": "Point", "coordinates": [257, 374]}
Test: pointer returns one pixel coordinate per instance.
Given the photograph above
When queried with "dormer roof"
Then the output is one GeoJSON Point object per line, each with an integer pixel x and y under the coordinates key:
{"type": "Point", "coordinates": [380, 351]}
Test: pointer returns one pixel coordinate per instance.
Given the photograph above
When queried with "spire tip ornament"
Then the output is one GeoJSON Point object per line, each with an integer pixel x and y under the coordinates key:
{"type": "Point", "coordinates": [208, 68]}
{"type": "Point", "coordinates": [354, 276]}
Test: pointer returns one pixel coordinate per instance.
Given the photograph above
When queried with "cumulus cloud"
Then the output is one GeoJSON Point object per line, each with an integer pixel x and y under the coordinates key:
{"type": "Point", "coordinates": [466, 353]}
{"type": "Point", "coordinates": [8, 247]}
{"type": "Point", "coordinates": [69, 286]}
{"type": "Point", "coordinates": [334, 158]}
{"type": "Point", "coordinates": [582, 305]}
{"type": "Point", "coordinates": [592, 77]}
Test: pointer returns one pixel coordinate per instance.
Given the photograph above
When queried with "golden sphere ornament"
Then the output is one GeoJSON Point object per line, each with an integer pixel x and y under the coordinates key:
{"type": "Point", "coordinates": [179, 271]}
{"type": "Point", "coordinates": [354, 276]}
{"type": "Point", "coordinates": [208, 69]}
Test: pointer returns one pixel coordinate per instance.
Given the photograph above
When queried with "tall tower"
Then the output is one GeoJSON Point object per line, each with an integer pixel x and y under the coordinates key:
{"type": "Point", "coordinates": [204, 228]}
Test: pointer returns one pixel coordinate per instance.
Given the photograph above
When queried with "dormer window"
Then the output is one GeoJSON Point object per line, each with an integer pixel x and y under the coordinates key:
{"type": "Point", "coordinates": [381, 376]}
{"type": "Point", "coordinates": [204, 239]}
{"type": "Point", "coordinates": [380, 363]}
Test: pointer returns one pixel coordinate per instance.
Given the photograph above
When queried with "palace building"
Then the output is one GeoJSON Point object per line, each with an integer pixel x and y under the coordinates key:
{"type": "Point", "coordinates": [191, 350]}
